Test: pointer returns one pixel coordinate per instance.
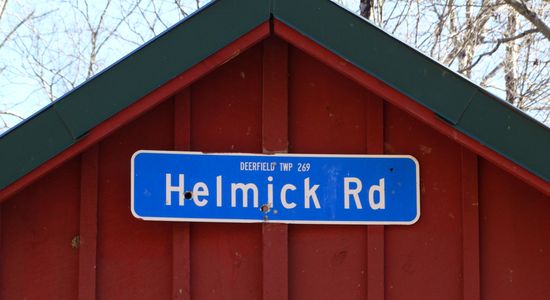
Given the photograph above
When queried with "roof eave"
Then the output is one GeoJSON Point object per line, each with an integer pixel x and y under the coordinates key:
{"type": "Point", "coordinates": [465, 106]}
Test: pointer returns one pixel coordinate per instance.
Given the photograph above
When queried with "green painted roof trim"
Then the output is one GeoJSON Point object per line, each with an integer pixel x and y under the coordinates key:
{"type": "Point", "coordinates": [31, 144]}
{"type": "Point", "coordinates": [508, 131]}
{"type": "Point", "coordinates": [61, 124]}
{"type": "Point", "coordinates": [175, 51]}
{"type": "Point", "coordinates": [464, 105]}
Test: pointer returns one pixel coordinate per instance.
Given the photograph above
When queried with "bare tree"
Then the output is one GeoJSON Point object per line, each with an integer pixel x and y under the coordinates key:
{"type": "Point", "coordinates": [500, 44]}
{"type": "Point", "coordinates": [365, 8]}
{"type": "Point", "coordinates": [5, 37]}
{"type": "Point", "coordinates": [532, 16]}
{"type": "Point", "coordinates": [62, 43]}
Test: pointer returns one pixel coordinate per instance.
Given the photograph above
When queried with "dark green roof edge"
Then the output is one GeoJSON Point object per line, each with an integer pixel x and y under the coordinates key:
{"type": "Point", "coordinates": [463, 104]}
{"type": "Point", "coordinates": [466, 106]}
{"type": "Point", "coordinates": [185, 44]}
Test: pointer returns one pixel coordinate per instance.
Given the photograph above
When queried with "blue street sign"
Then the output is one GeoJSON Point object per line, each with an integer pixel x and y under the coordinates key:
{"type": "Point", "coordinates": [289, 188]}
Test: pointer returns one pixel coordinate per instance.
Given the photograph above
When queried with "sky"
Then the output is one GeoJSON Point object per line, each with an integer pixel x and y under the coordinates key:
{"type": "Point", "coordinates": [20, 92]}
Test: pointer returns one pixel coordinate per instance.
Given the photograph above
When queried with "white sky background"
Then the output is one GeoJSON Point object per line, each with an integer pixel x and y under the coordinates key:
{"type": "Point", "coordinates": [22, 95]}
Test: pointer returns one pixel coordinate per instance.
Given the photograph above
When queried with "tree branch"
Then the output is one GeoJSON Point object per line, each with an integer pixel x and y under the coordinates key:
{"type": "Point", "coordinates": [3, 4]}
{"type": "Point", "coordinates": [14, 29]}
{"type": "Point", "coordinates": [531, 16]}
{"type": "Point", "coordinates": [7, 113]}
{"type": "Point", "coordinates": [499, 42]}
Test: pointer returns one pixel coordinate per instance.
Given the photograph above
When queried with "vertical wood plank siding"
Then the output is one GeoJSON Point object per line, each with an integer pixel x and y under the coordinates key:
{"type": "Point", "coordinates": [470, 225]}
{"type": "Point", "coordinates": [375, 233]}
{"type": "Point", "coordinates": [181, 239]}
{"type": "Point", "coordinates": [88, 224]}
{"type": "Point", "coordinates": [275, 140]}
{"type": "Point", "coordinates": [482, 233]}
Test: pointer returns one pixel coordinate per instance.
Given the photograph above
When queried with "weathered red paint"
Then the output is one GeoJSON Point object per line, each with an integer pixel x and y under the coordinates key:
{"type": "Point", "coordinates": [483, 233]}
{"type": "Point", "coordinates": [275, 140]}
{"type": "Point", "coordinates": [181, 247]}
{"type": "Point", "coordinates": [226, 259]}
{"type": "Point", "coordinates": [375, 241]}
{"type": "Point", "coordinates": [403, 102]}
{"type": "Point", "coordinates": [412, 252]}
{"type": "Point", "coordinates": [87, 242]}
{"type": "Point", "coordinates": [39, 225]}
{"type": "Point", "coordinates": [145, 104]}
{"type": "Point", "coordinates": [470, 224]}
{"type": "Point", "coordinates": [326, 115]}
{"type": "Point", "coordinates": [514, 231]}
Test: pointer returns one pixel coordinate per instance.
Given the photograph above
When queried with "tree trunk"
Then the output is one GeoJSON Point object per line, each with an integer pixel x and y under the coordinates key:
{"type": "Point", "coordinates": [510, 59]}
{"type": "Point", "coordinates": [365, 8]}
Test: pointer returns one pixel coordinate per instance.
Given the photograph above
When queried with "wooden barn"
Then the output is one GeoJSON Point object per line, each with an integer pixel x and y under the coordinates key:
{"type": "Point", "coordinates": [276, 76]}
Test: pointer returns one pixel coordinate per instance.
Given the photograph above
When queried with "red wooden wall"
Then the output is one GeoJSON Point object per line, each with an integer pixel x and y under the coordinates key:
{"type": "Point", "coordinates": [482, 233]}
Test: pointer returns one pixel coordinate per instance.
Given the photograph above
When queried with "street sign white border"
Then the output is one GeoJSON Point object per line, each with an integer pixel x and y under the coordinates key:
{"type": "Point", "coordinates": [206, 220]}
